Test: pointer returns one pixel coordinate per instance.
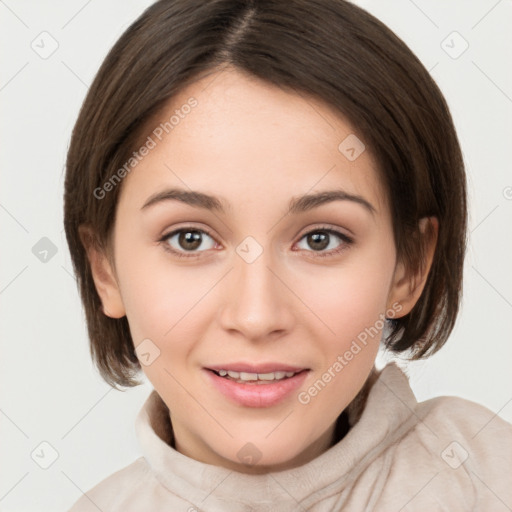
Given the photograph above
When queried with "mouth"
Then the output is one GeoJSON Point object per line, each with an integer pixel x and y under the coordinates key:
{"type": "Point", "coordinates": [263, 386]}
{"type": "Point", "coordinates": [256, 378]}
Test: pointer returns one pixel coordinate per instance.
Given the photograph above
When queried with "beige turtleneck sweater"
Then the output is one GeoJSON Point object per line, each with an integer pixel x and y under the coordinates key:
{"type": "Point", "coordinates": [444, 454]}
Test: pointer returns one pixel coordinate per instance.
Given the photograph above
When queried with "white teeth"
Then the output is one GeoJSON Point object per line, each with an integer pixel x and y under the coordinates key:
{"type": "Point", "coordinates": [248, 376]}
{"type": "Point", "coordinates": [245, 376]}
{"type": "Point", "coordinates": [266, 376]}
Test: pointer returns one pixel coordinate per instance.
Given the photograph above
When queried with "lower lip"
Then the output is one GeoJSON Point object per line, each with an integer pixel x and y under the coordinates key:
{"type": "Point", "coordinates": [257, 395]}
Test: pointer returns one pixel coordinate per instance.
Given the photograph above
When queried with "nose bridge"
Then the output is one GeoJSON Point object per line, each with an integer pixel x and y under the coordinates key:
{"type": "Point", "coordinates": [257, 303]}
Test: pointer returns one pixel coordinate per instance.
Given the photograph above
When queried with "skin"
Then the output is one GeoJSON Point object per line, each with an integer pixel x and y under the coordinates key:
{"type": "Point", "coordinates": [256, 146]}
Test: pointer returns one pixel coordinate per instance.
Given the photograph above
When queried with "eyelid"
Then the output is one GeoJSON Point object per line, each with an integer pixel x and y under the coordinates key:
{"type": "Point", "coordinates": [326, 227]}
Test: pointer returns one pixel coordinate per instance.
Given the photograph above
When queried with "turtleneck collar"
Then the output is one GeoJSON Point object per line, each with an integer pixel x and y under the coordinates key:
{"type": "Point", "coordinates": [375, 419]}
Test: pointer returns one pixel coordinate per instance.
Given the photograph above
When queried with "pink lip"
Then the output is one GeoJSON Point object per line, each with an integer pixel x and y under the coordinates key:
{"type": "Point", "coordinates": [257, 395]}
{"type": "Point", "coordinates": [256, 368]}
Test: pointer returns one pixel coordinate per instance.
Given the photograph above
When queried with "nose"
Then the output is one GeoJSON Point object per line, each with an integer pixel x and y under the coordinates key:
{"type": "Point", "coordinates": [257, 302]}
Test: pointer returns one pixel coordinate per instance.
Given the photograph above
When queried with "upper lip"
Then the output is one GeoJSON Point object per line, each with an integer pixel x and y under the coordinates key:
{"type": "Point", "coordinates": [256, 368]}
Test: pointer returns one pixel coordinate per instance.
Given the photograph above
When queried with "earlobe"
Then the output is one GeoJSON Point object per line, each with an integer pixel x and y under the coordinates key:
{"type": "Point", "coordinates": [103, 275]}
{"type": "Point", "coordinates": [406, 289]}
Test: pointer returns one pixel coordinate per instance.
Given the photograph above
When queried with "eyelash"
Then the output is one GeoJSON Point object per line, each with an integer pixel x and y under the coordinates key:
{"type": "Point", "coordinates": [320, 254]}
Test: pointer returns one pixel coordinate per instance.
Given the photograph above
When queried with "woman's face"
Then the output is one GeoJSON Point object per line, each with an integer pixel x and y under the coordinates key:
{"type": "Point", "coordinates": [263, 276]}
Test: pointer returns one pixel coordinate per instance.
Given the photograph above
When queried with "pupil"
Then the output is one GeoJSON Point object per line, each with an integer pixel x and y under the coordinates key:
{"type": "Point", "coordinates": [190, 239]}
{"type": "Point", "coordinates": [319, 237]}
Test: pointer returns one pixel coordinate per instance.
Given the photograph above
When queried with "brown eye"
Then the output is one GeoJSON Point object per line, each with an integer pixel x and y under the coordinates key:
{"type": "Point", "coordinates": [188, 240]}
{"type": "Point", "coordinates": [320, 239]}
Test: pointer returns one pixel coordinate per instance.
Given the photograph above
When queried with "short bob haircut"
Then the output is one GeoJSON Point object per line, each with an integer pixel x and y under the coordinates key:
{"type": "Point", "coordinates": [331, 50]}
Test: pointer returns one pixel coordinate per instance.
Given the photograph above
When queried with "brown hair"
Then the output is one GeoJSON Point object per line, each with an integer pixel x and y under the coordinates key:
{"type": "Point", "coordinates": [329, 49]}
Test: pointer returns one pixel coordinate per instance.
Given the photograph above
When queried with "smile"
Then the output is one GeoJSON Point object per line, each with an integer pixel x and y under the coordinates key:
{"type": "Point", "coordinates": [249, 389]}
{"type": "Point", "coordinates": [260, 378]}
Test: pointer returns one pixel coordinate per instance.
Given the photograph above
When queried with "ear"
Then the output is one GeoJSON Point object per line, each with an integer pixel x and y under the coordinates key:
{"type": "Point", "coordinates": [406, 289]}
{"type": "Point", "coordinates": [103, 274]}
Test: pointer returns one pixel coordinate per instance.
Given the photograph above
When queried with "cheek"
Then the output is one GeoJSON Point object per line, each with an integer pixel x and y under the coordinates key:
{"type": "Point", "coordinates": [352, 305]}
{"type": "Point", "coordinates": [163, 309]}
{"type": "Point", "coordinates": [164, 302]}
{"type": "Point", "coordinates": [350, 298]}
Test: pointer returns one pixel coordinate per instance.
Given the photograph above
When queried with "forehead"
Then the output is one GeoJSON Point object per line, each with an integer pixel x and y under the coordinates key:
{"type": "Point", "coordinates": [245, 135]}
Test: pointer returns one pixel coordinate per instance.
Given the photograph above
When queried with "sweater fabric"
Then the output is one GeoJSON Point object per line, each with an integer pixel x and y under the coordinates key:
{"type": "Point", "coordinates": [443, 454]}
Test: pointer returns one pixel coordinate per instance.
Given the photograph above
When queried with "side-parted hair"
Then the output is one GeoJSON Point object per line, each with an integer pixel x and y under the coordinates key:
{"type": "Point", "coordinates": [332, 50]}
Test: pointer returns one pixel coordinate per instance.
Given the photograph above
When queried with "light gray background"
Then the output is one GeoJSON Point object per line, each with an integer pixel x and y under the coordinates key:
{"type": "Point", "coordinates": [50, 391]}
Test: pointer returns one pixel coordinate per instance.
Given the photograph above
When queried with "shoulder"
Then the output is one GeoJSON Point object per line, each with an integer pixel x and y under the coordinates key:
{"type": "Point", "coordinates": [482, 431]}
{"type": "Point", "coordinates": [113, 491]}
{"type": "Point", "coordinates": [463, 450]}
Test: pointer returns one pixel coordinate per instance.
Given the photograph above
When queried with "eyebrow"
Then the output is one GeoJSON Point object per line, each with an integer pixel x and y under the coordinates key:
{"type": "Point", "coordinates": [296, 205]}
